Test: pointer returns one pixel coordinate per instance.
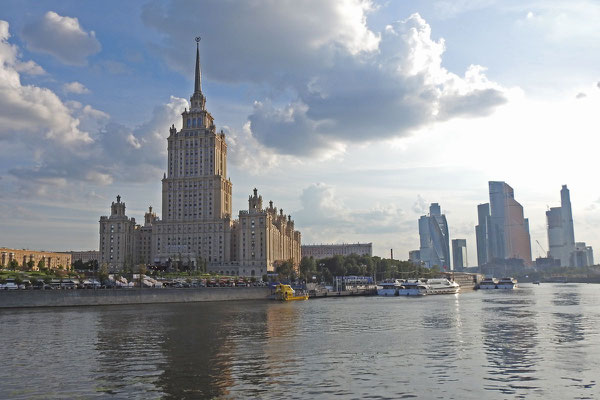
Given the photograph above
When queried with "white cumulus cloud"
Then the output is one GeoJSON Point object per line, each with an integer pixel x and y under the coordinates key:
{"type": "Point", "coordinates": [329, 79]}
{"type": "Point", "coordinates": [75, 87]}
{"type": "Point", "coordinates": [69, 143]}
{"type": "Point", "coordinates": [61, 36]}
{"type": "Point", "coordinates": [30, 111]}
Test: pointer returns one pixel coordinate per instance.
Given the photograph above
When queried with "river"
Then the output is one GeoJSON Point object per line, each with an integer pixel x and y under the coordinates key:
{"type": "Point", "coordinates": [533, 342]}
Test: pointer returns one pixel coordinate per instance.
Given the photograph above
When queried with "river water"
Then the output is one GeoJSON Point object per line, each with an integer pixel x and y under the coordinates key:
{"type": "Point", "coordinates": [533, 342]}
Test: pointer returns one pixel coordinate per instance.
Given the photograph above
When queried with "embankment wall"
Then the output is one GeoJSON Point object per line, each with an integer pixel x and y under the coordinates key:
{"type": "Point", "coordinates": [101, 297]}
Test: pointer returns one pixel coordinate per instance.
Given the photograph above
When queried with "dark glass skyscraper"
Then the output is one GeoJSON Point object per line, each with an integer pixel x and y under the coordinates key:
{"type": "Point", "coordinates": [502, 232]}
{"type": "Point", "coordinates": [561, 235]}
{"type": "Point", "coordinates": [435, 242]}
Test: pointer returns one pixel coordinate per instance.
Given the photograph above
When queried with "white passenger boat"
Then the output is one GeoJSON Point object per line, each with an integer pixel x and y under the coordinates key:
{"type": "Point", "coordinates": [488, 283]}
{"type": "Point", "coordinates": [442, 286]}
{"type": "Point", "coordinates": [414, 288]}
{"type": "Point", "coordinates": [507, 283]}
{"type": "Point", "coordinates": [388, 287]}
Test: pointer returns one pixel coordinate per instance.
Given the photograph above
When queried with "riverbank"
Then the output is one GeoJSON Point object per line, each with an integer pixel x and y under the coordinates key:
{"type": "Point", "coordinates": [102, 297]}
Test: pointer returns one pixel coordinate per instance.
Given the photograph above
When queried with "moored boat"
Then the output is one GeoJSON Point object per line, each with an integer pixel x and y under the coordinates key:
{"type": "Point", "coordinates": [442, 286]}
{"type": "Point", "coordinates": [488, 283]}
{"type": "Point", "coordinates": [414, 288]}
{"type": "Point", "coordinates": [286, 293]}
{"type": "Point", "coordinates": [388, 287]}
{"type": "Point", "coordinates": [507, 283]}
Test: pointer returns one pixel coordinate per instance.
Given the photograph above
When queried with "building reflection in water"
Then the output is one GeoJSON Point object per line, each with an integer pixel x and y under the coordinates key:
{"type": "Point", "coordinates": [568, 318]}
{"type": "Point", "coordinates": [510, 337]}
{"type": "Point", "coordinates": [569, 326]}
{"type": "Point", "coordinates": [128, 351]}
{"type": "Point", "coordinates": [200, 350]}
{"type": "Point", "coordinates": [440, 350]}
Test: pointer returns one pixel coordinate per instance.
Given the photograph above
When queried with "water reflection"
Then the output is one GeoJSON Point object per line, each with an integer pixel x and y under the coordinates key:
{"type": "Point", "coordinates": [534, 343]}
{"type": "Point", "coordinates": [510, 336]}
{"type": "Point", "coordinates": [570, 298]}
{"type": "Point", "coordinates": [126, 340]}
{"type": "Point", "coordinates": [441, 350]}
{"type": "Point", "coordinates": [568, 320]}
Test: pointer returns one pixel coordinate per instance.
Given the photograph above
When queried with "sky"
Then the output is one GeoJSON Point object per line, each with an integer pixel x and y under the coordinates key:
{"type": "Point", "coordinates": [351, 115]}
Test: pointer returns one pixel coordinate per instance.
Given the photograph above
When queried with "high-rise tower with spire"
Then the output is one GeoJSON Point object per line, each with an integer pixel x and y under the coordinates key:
{"type": "Point", "coordinates": [196, 194]}
{"type": "Point", "coordinates": [197, 228]}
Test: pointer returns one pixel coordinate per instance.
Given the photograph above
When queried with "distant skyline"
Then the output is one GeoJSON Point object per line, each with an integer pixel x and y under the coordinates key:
{"type": "Point", "coordinates": [362, 113]}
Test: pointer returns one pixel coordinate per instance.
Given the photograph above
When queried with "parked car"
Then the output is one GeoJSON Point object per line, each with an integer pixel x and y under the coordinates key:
{"type": "Point", "coordinates": [10, 286]}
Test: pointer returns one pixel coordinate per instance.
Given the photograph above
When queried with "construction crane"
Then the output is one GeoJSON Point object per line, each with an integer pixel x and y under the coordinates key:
{"type": "Point", "coordinates": [538, 242]}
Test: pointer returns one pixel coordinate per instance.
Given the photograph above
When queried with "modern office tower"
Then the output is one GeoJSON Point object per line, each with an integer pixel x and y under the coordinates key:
{"type": "Point", "coordinates": [459, 254]}
{"type": "Point", "coordinates": [414, 256]}
{"type": "Point", "coordinates": [433, 234]}
{"type": "Point", "coordinates": [561, 236]}
{"type": "Point", "coordinates": [484, 235]}
{"type": "Point", "coordinates": [583, 256]}
{"type": "Point", "coordinates": [503, 232]}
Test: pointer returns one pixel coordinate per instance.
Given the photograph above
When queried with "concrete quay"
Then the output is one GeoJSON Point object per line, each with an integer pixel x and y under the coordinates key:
{"type": "Point", "coordinates": [103, 297]}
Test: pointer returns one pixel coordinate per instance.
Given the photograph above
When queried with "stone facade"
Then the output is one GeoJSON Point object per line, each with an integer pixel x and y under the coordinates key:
{"type": "Point", "coordinates": [329, 250]}
{"type": "Point", "coordinates": [260, 238]}
{"type": "Point", "coordinates": [85, 256]}
{"type": "Point", "coordinates": [117, 238]}
{"type": "Point", "coordinates": [51, 260]}
{"type": "Point", "coordinates": [197, 227]}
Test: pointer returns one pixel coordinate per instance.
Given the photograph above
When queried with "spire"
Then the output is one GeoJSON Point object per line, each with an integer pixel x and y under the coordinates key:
{"type": "Point", "coordinates": [198, 82]}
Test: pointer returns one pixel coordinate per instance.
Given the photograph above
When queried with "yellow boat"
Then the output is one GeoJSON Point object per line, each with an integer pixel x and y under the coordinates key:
{"type": "Point", "coordinates": [286, 293]}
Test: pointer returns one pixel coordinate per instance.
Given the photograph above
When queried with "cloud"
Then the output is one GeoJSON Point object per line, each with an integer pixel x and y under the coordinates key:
{"type": "Point", "coordinates": [266, 41]}
{"type": "Point", "coordinates": [453, 8]}
{"type": "Point", "coordinates": [75, 87]}
{"type": "Point", "coordinates": [68, 144]}
{"type": "Point", "coordinates": [580, 95]}
{"type": "Point", "coordinates": [246, 152]}
{"type": "Point", "coordinates": [29, 68]}
{"type": "Point", "coordinates": [324, 216]}
{"type": "Point", "coordinates": [29, 111]}
{"type": "Point", "coordinates": [116, 154]}
{"type": "Point", "coordinates": [326, 81]}
{"type": "Point", "coordinates": [420, 207]}
{"type": "Point", "coordinates": [61, 37]}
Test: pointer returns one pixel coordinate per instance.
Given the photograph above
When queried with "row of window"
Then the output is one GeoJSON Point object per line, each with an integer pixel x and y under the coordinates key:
{"type": "Point", "coordinates": [192, 123]}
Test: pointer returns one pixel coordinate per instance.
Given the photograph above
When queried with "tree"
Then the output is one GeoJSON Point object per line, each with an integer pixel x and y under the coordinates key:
{"type": "Point", "coordinates": [103, 272]}
{"type": "Point", "coordinates": [30, 264]}
{"type": "Point", "coordinates": [141, 268]}
{"type": "Point", "coordinates": [13, 264]}
{"type": "Point", "coordinates": [200, 264]}
{"type": "Point", "coordinates": [41, 265]}
{"type": "Point", "coordinates": [285, 270]}
{"type": "Point", "coordinates": [78, 265]}
{"type": "Point", "coordinates": [308, 267]}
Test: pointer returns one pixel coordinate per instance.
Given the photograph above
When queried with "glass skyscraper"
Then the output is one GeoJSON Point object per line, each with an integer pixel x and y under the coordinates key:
{"type": "Point", "coordinates": [502, 232]}
{"type": "Point", "coordinates": [435, 242]}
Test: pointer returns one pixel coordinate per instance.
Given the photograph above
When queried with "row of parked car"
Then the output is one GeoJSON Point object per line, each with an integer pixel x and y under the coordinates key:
{"type": "Point", "coordinates": [10, 284]}
{"type": "Point", "coordinates": [180, 283]}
